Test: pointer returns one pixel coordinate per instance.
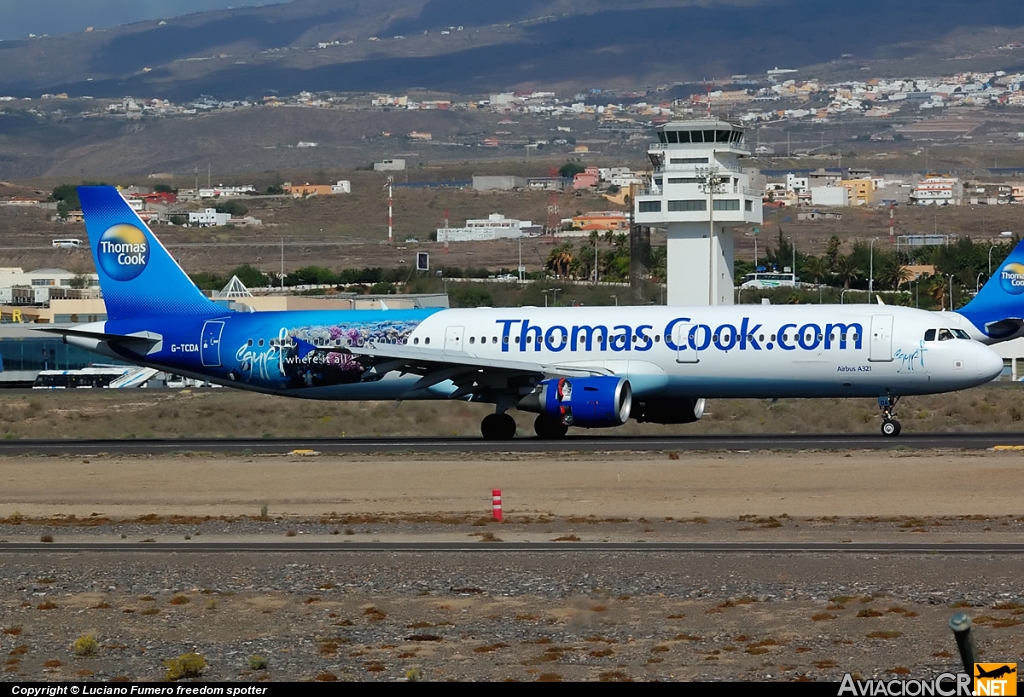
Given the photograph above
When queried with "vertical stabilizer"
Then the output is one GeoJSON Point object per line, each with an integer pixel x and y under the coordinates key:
{"type": "Point", "coordinates": [137, 274]}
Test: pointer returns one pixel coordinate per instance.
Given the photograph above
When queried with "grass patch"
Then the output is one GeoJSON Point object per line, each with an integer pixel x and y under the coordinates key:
{"type": "Point", "coordinates": [187, 665]}
{"type": "Point", "coordinates": [86, 645]}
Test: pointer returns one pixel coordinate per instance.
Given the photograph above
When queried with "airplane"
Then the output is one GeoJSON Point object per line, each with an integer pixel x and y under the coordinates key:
{"type": "Point", "coordinates": [994, 673]}
{"type": "Point", "coordinates": [591, 367]}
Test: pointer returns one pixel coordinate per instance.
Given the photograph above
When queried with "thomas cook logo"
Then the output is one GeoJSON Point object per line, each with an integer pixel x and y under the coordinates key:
{"type": "Point", "coordinates": [124, 252]}
{"type": "Point", "coordinates": [1011, 278]}
{"type": "Point", "coordinates": [995, 679]}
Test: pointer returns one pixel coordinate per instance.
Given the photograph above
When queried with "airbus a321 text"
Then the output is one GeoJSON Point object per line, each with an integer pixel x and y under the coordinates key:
{"type": "Point", "coordinates": [583, 367]}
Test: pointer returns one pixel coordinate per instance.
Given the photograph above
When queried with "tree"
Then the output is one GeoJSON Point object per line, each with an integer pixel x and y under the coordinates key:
{"type": "Point", "coordinates": [250, 276]}
{"type": "Point", "coordinates": [570, 170]}
{"type": "Point", "coordinates": [846, 269]}
{"type": "Point", "coordinates": [163, 189]}
{"type": "Point", "coordinates": [80, 281]}
{"type": "Point", "coordinates": [235, 208]}
{"type": "Point", "coordinates": [817, 268]}
{"type": "Point", "coordinates": [560, 259]}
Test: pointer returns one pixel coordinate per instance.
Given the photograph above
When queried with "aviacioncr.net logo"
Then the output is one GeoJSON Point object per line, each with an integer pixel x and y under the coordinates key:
{"type": "Point", "coordinates": [123, 252]}
{"type": "Point", "coordinates": [1011, 278]}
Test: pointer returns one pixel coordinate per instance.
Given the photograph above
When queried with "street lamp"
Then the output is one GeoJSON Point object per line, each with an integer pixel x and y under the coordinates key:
{"type": "Point", "coordinates": [711, 183]}
{"type": "Point", "coordinates": [991, 247]}
{"type": "Point", "coordinates": [554, 296]}
{"type": "Point", "coordinates": [616, 299]}
{"type": "Point", "coordinates": [870, 273]}
{"type": "Point", "coordinates": [950, 291]}
{"type": "Point", "coordinates": [977, 283]}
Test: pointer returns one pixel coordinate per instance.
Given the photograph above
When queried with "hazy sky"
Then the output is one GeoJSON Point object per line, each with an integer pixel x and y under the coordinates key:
{"type": "Point", "coordinates": [19, 18]}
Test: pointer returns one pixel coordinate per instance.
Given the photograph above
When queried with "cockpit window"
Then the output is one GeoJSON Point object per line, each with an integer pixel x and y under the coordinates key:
{"type": "Point", "coordinates": [929, 335]}
{"type": "Point", "coordinates": [961, 334]}
{"type": "Point", "coordinates": [945, 335]}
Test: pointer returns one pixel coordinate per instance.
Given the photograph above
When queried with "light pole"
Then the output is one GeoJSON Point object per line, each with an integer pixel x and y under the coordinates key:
{"type": "Point", "coordinates": [950, 292]}
{"type": "Point", "coordinates": [871, 273]}
{"type": "Point", "coordinates": [554, 296]}
{"type": "Point", "coordinates": [977, 284]}
{"type": "Point", "coordinates": [991, 247]}
{"type": "Point", "coordinates": [710, 183]}
{"type": "Point", "coordinates": [616, 299]}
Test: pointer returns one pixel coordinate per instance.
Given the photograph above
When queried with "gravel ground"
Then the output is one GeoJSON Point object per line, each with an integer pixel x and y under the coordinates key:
{"type": "Point", "coordinates": [510, 616]}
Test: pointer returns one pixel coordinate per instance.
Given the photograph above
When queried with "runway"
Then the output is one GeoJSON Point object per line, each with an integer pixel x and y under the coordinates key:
{"type": "Point", "coordinates": [475, 548]}
{"type": "Point", "coordinates": [581, 443]}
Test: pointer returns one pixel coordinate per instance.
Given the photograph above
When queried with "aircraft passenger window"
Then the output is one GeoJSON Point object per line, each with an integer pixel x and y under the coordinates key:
{"type": "Point", "coordinates": [760, 337]}
{"type": "Point", "coordinates": [529, 339]}
{"type": "Point", "coordinates": [820, 337]}
{"type": "Point", "coordinates": [945, 335]}
{"type": "Point", "coordinates": [494, 340]}
{"type": "Point", "coordinates": [249, 342]}
{"type": "Point", "coordinates": [472, 339]}
{"type": "Point", "coordinates": [427, 340]}
{"type": "Point", "coordinates": [504, 339]}
{"type": "Point", "coordinates": [856, 336]}
{"type": "Point", "coordinates": [483, 340]}
{"type": "Point", "coordinates": [715, 338]}
{"type": "Point", "coordinates": [773, 337]}
{"type": "Point", "coordinates": [517, 339]}
{"type": "Point", "coordinates": [416, 340]}
{"type": "Point", "coordinates": [657, 338]}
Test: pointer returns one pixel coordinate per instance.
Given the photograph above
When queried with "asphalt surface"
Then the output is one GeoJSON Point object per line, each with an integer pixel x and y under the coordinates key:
{"type": "Point", "coordinates": [522, 547]}
{"type": "Point", "coordinates": [583, 443]}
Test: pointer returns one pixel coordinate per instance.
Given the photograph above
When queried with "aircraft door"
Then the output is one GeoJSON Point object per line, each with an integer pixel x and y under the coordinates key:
{"type": "Point", "coordinates": [210, 345]}
{"type": "Point", "coordinates": [684, 337]}
{"type": "Point", "coordinates": [453, 338]}
{"type": "Point", "coordinates": [880, 338]}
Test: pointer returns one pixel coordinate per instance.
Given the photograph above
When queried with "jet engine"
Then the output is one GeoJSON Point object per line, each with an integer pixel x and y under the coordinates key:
{"type": "Point", "coordinates": [595, 402]}
{"type": "Point", "coordinates": [669, 411]}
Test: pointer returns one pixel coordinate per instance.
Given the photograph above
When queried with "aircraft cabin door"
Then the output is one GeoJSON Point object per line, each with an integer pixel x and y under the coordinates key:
{"type": "Point", "coordinates": [880, 338]}
{"type": "Point", "coordinates": [453, 339]}
{"type": "Point", "coordinates": [210, 345]}
{"type": "Point", "coordinates": [684, 336]}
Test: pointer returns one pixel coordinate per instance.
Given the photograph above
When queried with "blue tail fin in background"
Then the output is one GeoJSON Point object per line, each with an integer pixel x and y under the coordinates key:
{"type": "Point", "coordinates": [137, 274]}
{"type": "Point", "coordinates": [998, 308]}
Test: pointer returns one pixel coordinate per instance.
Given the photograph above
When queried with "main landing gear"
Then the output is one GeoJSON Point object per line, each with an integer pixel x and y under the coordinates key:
{"type": "Point", "coordinates": [890, 426]}
{"type": "Point", "coordinates": [498, 427]}
{"type": "Point", "coordinates": [549, 427]}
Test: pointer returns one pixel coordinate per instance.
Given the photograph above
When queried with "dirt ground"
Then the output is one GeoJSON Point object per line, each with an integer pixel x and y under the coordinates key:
{"type": "Point", "coordinates": [710, 485]}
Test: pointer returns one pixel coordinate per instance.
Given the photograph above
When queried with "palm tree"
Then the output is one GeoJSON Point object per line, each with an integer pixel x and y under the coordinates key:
{"type": "Point", "coordinates": [846, 269]}
{"type": "Point", "coordinates": [894, 274]}
{"type": "Point", "coordinates": [817, 268]}
{"type": "Point", "coordinates": [560, 259]}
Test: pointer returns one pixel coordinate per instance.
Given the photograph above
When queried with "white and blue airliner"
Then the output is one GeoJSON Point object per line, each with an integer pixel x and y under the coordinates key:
{"type": "Point", "coordinates": [592, 367]}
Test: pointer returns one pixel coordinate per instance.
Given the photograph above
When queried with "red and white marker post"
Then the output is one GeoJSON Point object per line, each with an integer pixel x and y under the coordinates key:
{"type": "Point", "coordinates": [496, 504]}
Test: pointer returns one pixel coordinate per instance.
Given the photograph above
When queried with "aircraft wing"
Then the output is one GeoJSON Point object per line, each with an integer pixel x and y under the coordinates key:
{"type": "Point", "coordinates": [481, 378]}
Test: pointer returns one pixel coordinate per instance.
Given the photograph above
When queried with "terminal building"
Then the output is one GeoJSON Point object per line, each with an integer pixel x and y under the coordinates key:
{"type": "Point", "coordinates": [699, 193]}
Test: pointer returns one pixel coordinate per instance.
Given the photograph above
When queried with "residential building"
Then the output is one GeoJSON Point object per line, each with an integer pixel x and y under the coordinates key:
{"type": "Point", "coordinates": [495, 226]}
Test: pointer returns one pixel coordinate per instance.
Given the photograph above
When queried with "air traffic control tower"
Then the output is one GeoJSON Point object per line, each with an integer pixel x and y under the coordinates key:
{"type": "Point", "coordinates": [698, 193]}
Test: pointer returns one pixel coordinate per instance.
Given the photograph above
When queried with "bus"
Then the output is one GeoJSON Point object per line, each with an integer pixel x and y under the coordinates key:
{"type": "Point", "coordinates": [67, 243]}
{"type": "Point", "coordinates": [769, 280]}
{"type": "Point", "coordinates": [94, 376]}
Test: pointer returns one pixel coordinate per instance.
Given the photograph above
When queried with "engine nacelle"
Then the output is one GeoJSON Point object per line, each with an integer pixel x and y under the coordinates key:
{"type": "Point", "coordinates": [597, 402]}
{"type": "Point", "coordinates": [669, 411]}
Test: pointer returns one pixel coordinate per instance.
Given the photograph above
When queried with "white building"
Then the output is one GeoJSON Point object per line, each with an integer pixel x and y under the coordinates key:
{"type": "Point", "coordinates": [208, 217]}
{"type": "Point", "coordinates": [495, 226]}
{"type": "Point", "coordinates": [938, 191]}
{"type": "Point", "coordinates": [389, 166]}
{"type": "Point", "coordinates": [227, 191]}
{"type": "Point", "coordinates": [699, 193]}
{"type": "Point", "coordinates": [830, 196]}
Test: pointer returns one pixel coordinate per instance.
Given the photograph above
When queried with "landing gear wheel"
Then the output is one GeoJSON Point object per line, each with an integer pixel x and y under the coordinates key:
{"type": "Point", "coordinates": [890, 427]}
{"type": "Point", "coordinates": [549, 428]}
{"type": "Point", "coordinates": [498, 427]}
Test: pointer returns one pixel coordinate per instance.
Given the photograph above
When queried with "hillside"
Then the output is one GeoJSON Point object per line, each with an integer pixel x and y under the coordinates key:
{"type": "Point", "coordinates": [397, 44]}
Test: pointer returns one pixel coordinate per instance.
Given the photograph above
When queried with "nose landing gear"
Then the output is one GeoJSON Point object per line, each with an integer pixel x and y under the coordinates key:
{"type": "Point", "coordinates": [890, 426]}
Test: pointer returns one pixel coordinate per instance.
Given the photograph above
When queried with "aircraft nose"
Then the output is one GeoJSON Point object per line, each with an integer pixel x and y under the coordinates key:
{"type": "Point", "coordinates": [989, 363]}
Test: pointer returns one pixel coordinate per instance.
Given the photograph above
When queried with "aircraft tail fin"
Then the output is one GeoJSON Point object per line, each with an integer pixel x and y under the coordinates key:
{"type": "Point", "coordinates": [998, 308]}
{"type": "Point", "coordinates": [138, 275]}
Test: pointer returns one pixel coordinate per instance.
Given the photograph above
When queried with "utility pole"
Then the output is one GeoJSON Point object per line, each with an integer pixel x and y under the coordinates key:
{"type": "Point", "coordinates": [282, 264]}
{"type": "Point", "coordinates": [711, 183]}
{"type": "Point", "coordinates": [391, 219]}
